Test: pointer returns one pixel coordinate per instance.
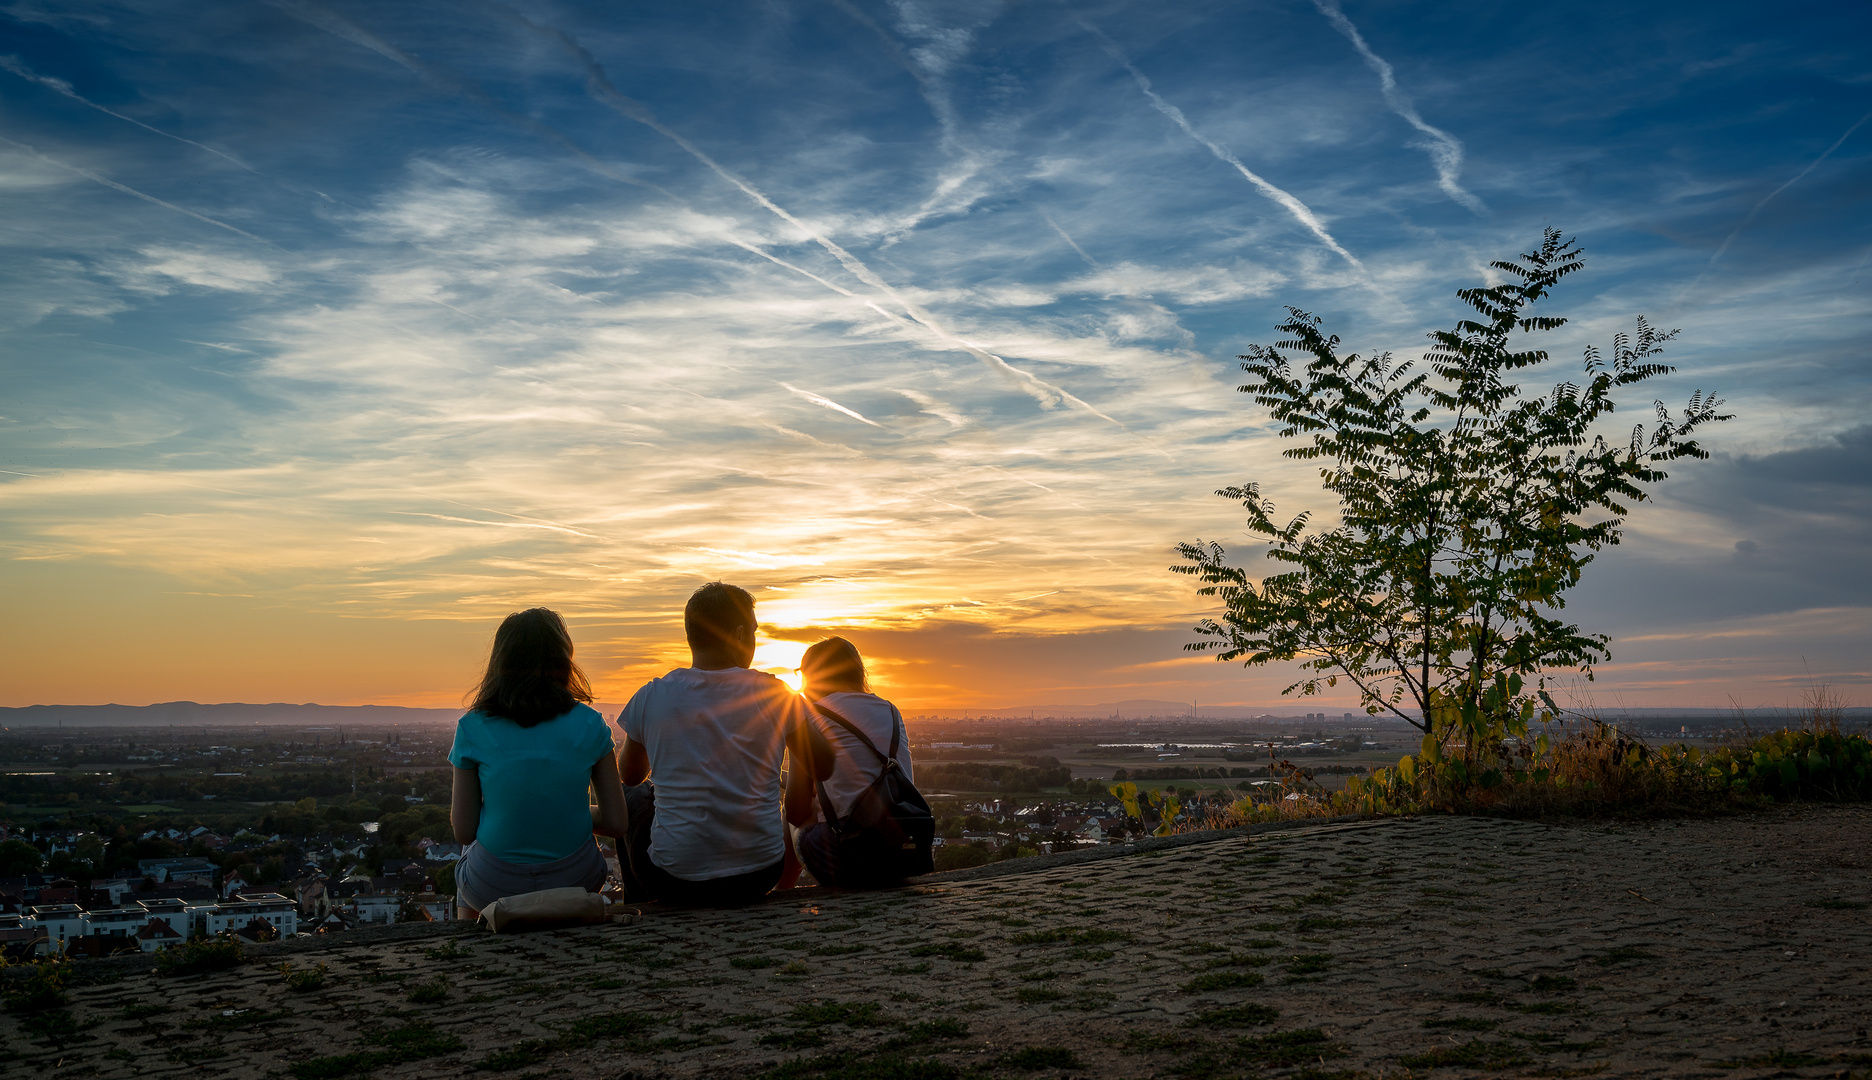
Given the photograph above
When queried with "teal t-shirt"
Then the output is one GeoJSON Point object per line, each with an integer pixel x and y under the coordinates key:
{"type": "Point", "coordinates": [534, 781]}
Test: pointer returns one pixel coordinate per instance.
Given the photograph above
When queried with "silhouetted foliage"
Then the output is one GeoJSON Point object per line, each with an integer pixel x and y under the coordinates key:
{"type": "Point", "coordinates": [1467, 510]}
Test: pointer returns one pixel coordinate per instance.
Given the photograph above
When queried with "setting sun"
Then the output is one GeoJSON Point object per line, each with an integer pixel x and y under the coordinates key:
{"type": "Point", "coordinates": [780, 658]}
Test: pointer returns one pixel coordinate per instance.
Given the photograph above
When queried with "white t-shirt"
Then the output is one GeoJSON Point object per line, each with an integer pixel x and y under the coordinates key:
{"type": "Point", "coordinates": [716, 742]}
{"type": "Point", "coordinates": [856, 767]}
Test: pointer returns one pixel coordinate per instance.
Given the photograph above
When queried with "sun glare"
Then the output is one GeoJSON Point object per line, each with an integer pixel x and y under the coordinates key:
{"type": "Point", "coordinates": [780, 658]}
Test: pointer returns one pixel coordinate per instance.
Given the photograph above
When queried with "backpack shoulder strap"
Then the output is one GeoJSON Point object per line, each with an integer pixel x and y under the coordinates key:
{"type": "Point", "coordinates": [828, 713]}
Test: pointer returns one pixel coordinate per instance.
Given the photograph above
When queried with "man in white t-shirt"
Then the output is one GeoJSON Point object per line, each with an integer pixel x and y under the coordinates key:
{"type": "Point", "coordinates": [702, 756]}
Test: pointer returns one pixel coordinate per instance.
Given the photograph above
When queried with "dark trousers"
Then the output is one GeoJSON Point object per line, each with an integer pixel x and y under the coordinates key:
{"type": "Point", "coordinates": [819, 849]}
{"type": "Point", "coordinates": [646, 881]}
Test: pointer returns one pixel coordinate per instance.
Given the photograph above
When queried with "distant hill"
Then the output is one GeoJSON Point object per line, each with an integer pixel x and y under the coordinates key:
{"type": "Point", "coordinates": [1143, 707]}
{"type": "Point", "coordinates": [190, 713]}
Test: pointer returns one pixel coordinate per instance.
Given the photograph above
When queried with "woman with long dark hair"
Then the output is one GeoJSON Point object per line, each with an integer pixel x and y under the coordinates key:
{"type": "Point", "coordinates": [525, 755]}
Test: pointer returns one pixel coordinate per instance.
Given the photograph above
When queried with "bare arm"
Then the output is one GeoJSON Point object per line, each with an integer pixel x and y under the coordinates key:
{"type": "Point", "coordinates": [608, 817]}
{"type": "Point", "coordinates": [809, 760]}
{"type": "Point", "coordinates": [465, 805]}
{"type": "Point", "coordinates": [634, 762]}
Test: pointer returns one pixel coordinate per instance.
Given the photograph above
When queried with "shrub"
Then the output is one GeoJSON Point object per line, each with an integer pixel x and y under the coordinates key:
{"type": "Point", "coordinates": [302, 980]}
{"type": "Point", "coordinates": [212, 954]}
{"type": "Point", "coordinates": [962, 856]}
{"type": "Point", "coordinates": [43, 988]}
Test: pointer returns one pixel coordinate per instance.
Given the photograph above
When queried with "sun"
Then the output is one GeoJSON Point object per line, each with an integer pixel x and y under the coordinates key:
{"type": "Point", "coordinates": [780, 659]}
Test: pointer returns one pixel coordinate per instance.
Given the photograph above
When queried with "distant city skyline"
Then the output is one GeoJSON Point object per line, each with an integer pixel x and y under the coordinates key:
{"type": "Point", "coordinates": [338, 331]}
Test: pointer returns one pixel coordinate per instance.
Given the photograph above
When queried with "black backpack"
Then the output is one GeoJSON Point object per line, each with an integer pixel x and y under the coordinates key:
{"type": "Point", "coordinates": [890, 830]}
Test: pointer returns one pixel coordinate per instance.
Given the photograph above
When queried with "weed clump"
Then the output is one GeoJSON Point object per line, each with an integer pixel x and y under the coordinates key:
{"type": "Point", "coordinates": [429, 993]}
{"type": "Point", "coordinates": [1222, 980]}
{"type": "Point", "coordinates": [302, 980]}
{"type": "Point", "coordinates": [1474, 1054]}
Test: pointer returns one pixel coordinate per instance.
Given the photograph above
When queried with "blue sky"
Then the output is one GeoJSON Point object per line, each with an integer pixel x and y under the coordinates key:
{"type": "Point", "coordinates": [334, 331]}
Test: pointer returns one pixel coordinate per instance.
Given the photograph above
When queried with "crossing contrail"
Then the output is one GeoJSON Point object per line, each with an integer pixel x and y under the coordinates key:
{"type": "Point", "coordinates": [1837, 143]}
{"type": "Point", "coordinates": [1294, 206]}
{"type": "Point", "coordinates": [1445, 150]}
{"type": "Point", "coordinates": [127, 190]}
{"type": "Point", "coordinates": [598, 85]}
{"type": "Point", "coordinates": [13, 64]}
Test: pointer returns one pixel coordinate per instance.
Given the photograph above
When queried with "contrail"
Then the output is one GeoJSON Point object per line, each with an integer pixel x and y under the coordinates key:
{"type": "Point", "coordinates": [13, 64]}
{"type": "Point", "coordinates": [500, 524]}
{"type": "Point", "coordinates": [1837, 143]}
{"type": "Point", "coordinates": [1445, 150]}
{"type": "Point", "coordinates": [598, 84]}
{"type": "Point", "coordinates": [115, 186]}
{"type": "Point", "coordinates": [972, 159]}
{"type": "Point", "coordinates": [936, 408]}
{"type": "Point", "coordinates": [1294, 206]}
{"type": "Point", "coordinates": [828, 403]}
{"type": "Point", "coordinates": [1070, 242]}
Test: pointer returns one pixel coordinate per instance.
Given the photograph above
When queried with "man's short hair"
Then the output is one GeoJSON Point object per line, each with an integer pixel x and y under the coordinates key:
{"type": "Point", "coordinates": [712, 614]}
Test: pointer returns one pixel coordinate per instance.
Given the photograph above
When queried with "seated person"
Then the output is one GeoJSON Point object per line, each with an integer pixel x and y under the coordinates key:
{"type": "Point", "coordinates": [833, 676]}
{"type": "Point", "coordinates": [525, 757]}
{"type": "Point", "coordinates": [712, 738]}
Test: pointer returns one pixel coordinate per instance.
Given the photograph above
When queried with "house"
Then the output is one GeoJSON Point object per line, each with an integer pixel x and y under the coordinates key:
{"type": "Point", "coordinates": [378, 902]}
{"type": "Point", "coordinates": [59, 922]}
{"type": "Point", "coordinates": [443, 852]}
{"type": "Point", "coordinates": [190, 869]}
{"type": "Point", "coordinates": [314, 897]}
{"type": "Point", "coordinates": [157, 934]}
{"type": "Point", "coordinates": [192, 893]}
{"type": "Point", "coordinates": [64, 841]}
{"type": "Point", "coordinates": [258, 930]}
{"type": "Point", "coordinates": [233, 916]}
{"type": "Point", "coordinates": [232, 884]}
{"type": "Point", "coordinates": [439, 908]}
{"type": "Point", "coordinates": [116, 887]}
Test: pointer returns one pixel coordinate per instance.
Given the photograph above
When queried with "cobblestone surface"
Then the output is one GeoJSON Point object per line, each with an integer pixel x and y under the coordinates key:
{"type": "Point", "coordinates": [1733, 947]}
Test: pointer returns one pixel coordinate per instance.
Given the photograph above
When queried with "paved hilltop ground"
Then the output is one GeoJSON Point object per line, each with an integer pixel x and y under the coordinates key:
{"type": "Point", "coordinates": [1442, 947]}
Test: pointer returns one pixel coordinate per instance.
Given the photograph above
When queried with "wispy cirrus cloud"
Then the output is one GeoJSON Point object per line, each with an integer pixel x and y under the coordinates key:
{"type": "Point", "coordinates": [526, 348]}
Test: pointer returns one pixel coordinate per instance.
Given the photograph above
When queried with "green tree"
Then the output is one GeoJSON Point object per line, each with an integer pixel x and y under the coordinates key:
{"type": "Point", "coordinates": [1467, 510]}
{"type": "Point", "coordinates": [17, 858]}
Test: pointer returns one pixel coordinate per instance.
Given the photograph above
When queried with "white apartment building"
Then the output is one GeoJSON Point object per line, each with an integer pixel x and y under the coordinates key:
{"type": "Point", "coordinates": [60, 922]}
{"type": "Point", "coordinates": [180, 915]}
{"type": "Point", "coordinates": [119, 923]}
{"type": "Point", "coordinates": [235, 914]}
